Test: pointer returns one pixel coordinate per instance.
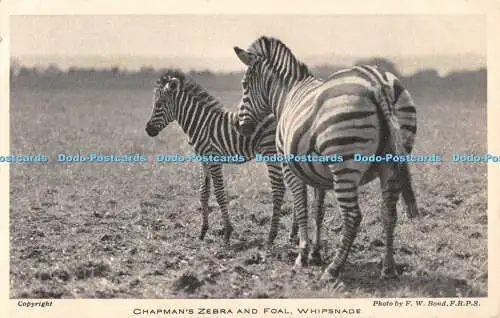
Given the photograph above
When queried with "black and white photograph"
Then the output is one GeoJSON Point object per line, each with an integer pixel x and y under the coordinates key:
{"type": "Point", "coordinates": [249, 156]}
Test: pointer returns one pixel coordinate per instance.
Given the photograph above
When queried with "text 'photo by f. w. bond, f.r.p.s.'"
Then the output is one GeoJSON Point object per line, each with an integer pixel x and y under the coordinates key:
{"type": "Point", "coordinates": [249, 156]}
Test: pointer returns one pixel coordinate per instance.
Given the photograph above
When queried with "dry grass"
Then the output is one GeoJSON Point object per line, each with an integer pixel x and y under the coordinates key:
{"type": "Point", "coordinates": [105, 230]}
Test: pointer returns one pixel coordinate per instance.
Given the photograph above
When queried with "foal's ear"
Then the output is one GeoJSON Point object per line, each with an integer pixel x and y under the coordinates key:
{"type": "Point", "coordinates": [172, 85]}
{"type": "Point", "coordinates": [246, 57]}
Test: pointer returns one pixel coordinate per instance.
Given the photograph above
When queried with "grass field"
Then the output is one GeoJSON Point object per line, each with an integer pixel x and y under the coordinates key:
{"type": "Point", "coordinates": [105, 230]}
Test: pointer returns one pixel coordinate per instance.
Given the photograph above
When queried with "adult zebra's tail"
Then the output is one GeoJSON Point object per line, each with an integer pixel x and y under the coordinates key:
{"type": "Point", "coordinates": [386, 100]}
{"type": "Point", "coordinates": [388, 91]}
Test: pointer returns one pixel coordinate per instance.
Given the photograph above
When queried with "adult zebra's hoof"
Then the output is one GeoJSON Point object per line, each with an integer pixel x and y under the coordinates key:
{"type": "Point", "coordinates": [330, 275]}
{"type": "Point", "coordinates": [331, 281]}
{"type": "Point", "coordinates": [388, 272]}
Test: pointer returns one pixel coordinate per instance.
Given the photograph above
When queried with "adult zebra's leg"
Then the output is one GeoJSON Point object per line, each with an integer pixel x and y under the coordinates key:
{"type": "Point", "coordinates": [346, 194]}
{"type": "Point", "coordinates": [204, 197]}
{"type": "Point", "coordinates": [299, 192]}
{"type": "Point", "coordinates": [407, 191]}
{"type": "Point", "coordinates": [319, 213]}
{"type": "Point", "coordinates": [390, 186]}
{"type": "Point", "coordinates": [220, 195]}
{"type": "Point", "coordinates": [278, 192]}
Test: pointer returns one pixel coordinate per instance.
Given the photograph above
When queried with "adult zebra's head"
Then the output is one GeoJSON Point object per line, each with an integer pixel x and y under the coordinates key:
{"type": "Point", "coordinates": [254, 104]}
{"type": "Point", "coordinates": [272, 70]}
{"type": "Point", "coordinates": [163, 113]}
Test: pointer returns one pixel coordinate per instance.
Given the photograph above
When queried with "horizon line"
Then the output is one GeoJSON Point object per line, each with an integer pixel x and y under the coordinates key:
{"type": "Point", "coordinates": [406, 65]}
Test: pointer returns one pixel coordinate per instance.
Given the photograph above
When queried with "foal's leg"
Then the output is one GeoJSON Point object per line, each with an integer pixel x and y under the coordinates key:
{"type": "Point", "coordinates": [278, 192]}
{"type": "Point", "coordinates": [220, 195]}
{"type": "Point", "coordinates": [204, 196]}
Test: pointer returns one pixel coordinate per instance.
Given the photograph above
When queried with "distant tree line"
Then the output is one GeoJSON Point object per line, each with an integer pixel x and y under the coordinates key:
{"type": "Point", "coordinates": [424, 84]}
{"type": "Point", "coordinates": [19, 70]}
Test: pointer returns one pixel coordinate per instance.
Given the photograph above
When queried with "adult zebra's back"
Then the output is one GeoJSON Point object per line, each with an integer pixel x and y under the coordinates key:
{"type": "Point", "coordinates": [349, 114]}
{"type": "Point", "coordinates": [212, 130]}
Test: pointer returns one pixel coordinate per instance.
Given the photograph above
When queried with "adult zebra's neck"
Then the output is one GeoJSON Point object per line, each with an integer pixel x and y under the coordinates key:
{"type": "Point", "coordinates": [282, 93]}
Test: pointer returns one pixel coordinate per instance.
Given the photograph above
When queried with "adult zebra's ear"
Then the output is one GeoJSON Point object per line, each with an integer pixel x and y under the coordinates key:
{"type": "Point", "coordinates": [246, 57]}
{"type": "Point", "coordinates": [172, 85]}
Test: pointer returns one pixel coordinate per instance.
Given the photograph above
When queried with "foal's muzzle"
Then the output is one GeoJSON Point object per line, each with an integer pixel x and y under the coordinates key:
{"type": "Point", "coordinates": [151, 131]}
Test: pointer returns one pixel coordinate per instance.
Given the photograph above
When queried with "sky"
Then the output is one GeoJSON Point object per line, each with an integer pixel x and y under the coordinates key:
{"type": "Point", "coordinates": [209, 37]}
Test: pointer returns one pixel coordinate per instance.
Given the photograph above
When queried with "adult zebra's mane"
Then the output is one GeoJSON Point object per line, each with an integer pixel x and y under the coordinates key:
{"type": "Point", "coordinates": [188, 85]}
{"type": "Point", "coordinates": [280, 57]}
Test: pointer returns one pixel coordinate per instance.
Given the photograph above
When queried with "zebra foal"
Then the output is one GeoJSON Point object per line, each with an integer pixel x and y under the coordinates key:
{"type": "Point", "coordinates": [212, 130]}
{"type": "Point", "coordinates": [355, 111]}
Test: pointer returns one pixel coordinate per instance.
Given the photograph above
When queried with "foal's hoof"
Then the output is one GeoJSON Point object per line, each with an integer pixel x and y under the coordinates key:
{"type": "Point", "coordinates": [269, 248]}
{"type": "Point", "coordinates": [412, 211]}
{"type": "Point", "coordinates": [270, 241]}
{"type": "Point", "coordinates": [294, 240]}
{"type": "Point", "coordinates": [269, 252]}
{"type": "Point", "coordinates": [300, 262]}
{"type": "Point", "coordinates": [203, 232]}
{"type": "Point", "coordinates": [228, 231]}
{"type": "Point", "coordinates": [315, 259]}
{"type": "Point", "coordinates": [227, 241]}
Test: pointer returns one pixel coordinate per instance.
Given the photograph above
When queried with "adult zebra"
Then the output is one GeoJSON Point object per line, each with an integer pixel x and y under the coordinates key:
{"type": "Point", "coordinates": [212, 130]}
{"type": "Point", "coordinates": [349, 113]}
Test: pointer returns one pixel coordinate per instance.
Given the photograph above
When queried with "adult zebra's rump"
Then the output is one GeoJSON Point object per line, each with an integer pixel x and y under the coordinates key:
{"type": "Point", "coordinates": [357, 111]}
{"type": "Point", "coordinates": [212, 130]}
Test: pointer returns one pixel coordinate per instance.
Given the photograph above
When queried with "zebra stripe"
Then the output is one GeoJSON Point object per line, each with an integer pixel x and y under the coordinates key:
{"type": "Point", "coordinates": [212, 130]}
{"type": "Point", "coordinates": [350, 112]}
